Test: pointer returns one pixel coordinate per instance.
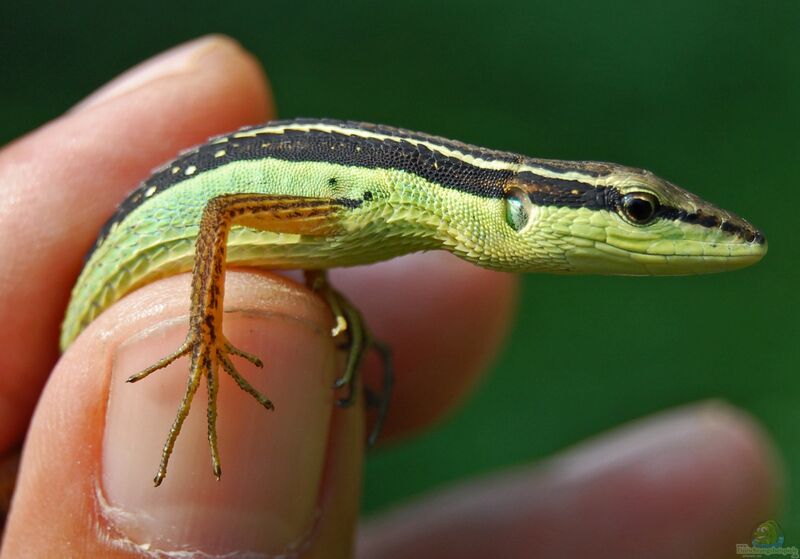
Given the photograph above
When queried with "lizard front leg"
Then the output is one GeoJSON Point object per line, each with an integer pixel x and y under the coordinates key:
{"type": "Point", "coordinates": [205, 343]}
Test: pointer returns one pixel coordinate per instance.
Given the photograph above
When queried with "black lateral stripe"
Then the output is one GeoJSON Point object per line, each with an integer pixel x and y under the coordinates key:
{"type": "Point", "coordinates": [467, 149]}
{"type": "Point", "coordinates": [342, 149]}
{"type": "Point", "coordinates": [549, 191]}
{"type": "Point", "coordinates": [733, 225]}
{"type": "Point", "coordinates": [588, 168]}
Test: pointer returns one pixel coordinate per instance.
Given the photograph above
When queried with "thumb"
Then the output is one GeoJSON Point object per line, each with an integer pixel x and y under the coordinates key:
{"type": "Point", "coordinates": [291, 477]}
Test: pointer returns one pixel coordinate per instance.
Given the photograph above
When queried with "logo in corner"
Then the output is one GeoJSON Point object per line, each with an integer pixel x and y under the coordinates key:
{"type": "Point", "coordinates": [768, 534]}
{"type": "Point", "coordinates": [767, 540]}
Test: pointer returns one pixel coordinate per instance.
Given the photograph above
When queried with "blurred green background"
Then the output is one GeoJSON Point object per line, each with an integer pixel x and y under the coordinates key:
{"type": "Point", "coordinates": [706, 94]}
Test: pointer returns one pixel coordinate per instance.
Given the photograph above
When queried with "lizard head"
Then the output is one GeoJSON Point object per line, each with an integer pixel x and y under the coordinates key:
{"type": "Point", "coordinates": [601, 218]}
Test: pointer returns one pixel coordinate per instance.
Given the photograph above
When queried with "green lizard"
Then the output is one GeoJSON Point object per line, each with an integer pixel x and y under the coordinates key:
{"type": "Point", "coordinates": [316, 194]}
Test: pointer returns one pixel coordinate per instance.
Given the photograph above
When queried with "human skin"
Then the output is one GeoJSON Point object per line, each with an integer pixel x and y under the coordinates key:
{"type": "Point", "coordinates": [689, 483]}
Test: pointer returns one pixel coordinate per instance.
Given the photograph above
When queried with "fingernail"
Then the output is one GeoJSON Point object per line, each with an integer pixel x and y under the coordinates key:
{"type": "Point", "coordinates": [178, 60]}
{"type": "Point", "coordinates": [272, 461]}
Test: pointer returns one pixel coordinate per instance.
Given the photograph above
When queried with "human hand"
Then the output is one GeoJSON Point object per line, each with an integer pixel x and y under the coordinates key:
{"type": "Point", "coordinates": [686, 484]}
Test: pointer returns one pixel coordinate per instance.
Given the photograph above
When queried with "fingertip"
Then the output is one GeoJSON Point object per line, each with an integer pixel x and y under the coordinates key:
{"type": "Point", "coordinates": [269, 499]}
{"type": "Point", "coordinates": [691, 482]}
{"type": "Point", "coordinates": [186, 58]}
{"type": "Point", "coordinates": [73, 172]}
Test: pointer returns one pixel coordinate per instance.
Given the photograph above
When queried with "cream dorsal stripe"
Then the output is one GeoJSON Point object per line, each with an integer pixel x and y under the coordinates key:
{"type": "Point", "coordinates": [482, 158]}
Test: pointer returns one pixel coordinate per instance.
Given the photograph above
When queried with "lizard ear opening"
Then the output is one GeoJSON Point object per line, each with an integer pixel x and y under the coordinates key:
{"type": "Point", "coordinates": [518, 209]}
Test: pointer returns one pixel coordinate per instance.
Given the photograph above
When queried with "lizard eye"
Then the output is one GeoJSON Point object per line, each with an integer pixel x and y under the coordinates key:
{"type": "Point", "coordinates": [518, 209]}
{"type": "Point", "coordinates": [639, 207]}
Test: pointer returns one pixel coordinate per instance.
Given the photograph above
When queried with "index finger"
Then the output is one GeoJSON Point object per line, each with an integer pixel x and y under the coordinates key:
{"type": "Point", "coordinates": [62, 181]}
